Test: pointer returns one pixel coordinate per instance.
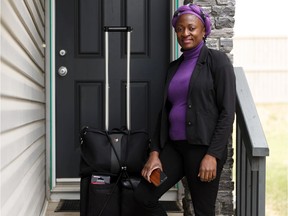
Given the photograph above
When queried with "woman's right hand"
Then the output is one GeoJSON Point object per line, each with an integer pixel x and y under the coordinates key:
{"type": "Point", "coordinates": [152, 163]}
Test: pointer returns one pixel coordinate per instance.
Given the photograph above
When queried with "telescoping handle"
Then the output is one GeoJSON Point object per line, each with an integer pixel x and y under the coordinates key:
{"type": "Point", "coordinates": [108, 29]}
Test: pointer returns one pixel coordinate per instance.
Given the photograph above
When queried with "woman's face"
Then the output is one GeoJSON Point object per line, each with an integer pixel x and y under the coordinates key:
{"type": "Point", "coordinates": [190, 31]}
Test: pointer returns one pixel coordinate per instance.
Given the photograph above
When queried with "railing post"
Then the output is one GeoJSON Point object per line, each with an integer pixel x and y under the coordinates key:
{"type": "Point", "coordinates": [262, 185]}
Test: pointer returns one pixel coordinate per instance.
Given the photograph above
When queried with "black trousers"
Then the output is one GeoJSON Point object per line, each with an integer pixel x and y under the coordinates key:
{"type": "Point", "coordinates": [181, 159]}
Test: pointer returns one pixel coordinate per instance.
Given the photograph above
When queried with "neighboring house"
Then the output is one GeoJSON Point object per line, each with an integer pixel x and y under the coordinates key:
{"type": "Point", "coordinates": [264, 59]}
{"type": "Point", "coordinates": [32, 91]}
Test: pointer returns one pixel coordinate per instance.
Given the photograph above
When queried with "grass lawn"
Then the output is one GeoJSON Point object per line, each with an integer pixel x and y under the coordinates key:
{"type": "Point", "coordinates": [274, 119]}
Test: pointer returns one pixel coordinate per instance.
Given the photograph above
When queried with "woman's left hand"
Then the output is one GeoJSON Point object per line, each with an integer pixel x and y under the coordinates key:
{"type": "Point", "coordinates": [208, 168]}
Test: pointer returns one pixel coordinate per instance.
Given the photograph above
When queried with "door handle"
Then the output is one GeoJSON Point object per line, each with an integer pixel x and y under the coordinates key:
{"type": "Point", "coordinates": [62, 71]}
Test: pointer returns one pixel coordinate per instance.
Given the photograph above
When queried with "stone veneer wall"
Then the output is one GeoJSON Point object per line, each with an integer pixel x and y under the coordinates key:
{"type": "Point", "coordinates": [221, 38]}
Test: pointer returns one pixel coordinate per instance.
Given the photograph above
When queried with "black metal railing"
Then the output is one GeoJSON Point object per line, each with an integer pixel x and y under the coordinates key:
{"type": "Point", "coordinates": [251, 152]}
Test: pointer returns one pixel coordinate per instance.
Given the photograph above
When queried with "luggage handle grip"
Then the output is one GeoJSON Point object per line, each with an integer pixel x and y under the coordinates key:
{"type": "Point", "coordinates": [118, 29]}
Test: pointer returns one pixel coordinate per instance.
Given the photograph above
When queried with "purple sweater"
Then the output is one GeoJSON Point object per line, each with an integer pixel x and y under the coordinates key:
{"type": "Point", "coordinates": [177, 93]}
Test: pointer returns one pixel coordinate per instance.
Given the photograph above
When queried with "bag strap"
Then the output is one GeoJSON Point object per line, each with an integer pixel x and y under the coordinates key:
{"type": "Point", "coordinates": [127, 147]}
{"type": "Point", "coordinates": [114, 150]}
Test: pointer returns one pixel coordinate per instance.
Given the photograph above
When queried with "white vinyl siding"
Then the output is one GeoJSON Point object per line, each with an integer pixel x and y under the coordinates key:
{"type": "Point", "coordinates": [23, 148]}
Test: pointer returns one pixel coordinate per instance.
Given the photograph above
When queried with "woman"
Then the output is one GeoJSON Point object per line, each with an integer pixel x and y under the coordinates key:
{"type": "Point", "coordinates": [196, 119]}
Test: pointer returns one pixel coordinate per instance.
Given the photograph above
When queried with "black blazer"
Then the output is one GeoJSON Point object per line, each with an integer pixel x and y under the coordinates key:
{"type": "Point", "coordinates": [210, 103]}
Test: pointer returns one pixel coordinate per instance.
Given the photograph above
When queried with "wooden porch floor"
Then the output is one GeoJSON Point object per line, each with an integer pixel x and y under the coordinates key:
{"type": "Point", "coordinates": [52, 206]}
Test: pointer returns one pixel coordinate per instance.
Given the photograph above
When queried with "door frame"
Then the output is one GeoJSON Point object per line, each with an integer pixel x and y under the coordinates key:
{"type": "Point", "coordinates": [53, 184]}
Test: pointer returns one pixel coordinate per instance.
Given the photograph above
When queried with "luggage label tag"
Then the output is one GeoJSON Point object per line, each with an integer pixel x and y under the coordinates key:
{"type": "Point", "coordinates": [100, 180]}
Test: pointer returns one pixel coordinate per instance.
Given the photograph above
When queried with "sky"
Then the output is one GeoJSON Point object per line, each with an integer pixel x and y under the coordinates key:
{"type": "Point", "coordinates": [261, 18]}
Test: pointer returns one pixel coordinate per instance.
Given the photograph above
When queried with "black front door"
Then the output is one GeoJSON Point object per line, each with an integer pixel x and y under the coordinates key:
{"type": "Point", "coordinates": [80, 49]}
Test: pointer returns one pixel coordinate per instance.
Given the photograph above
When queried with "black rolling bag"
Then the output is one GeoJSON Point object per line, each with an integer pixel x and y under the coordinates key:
{"type": "Point", "coordinates": [111, 161]}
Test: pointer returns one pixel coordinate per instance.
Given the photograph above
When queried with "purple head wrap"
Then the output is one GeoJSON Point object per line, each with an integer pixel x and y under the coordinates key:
{"type": "Point", "coordinates": [195, 10]}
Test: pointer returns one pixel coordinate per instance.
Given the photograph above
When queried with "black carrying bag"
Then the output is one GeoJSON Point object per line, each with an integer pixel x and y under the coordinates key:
{"type": "Point", "coordinates": [117, 197]}
{"type": "Point", "coordinates": [97, 154]}
{"type": "Point", "coordinates": [118, 154]}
